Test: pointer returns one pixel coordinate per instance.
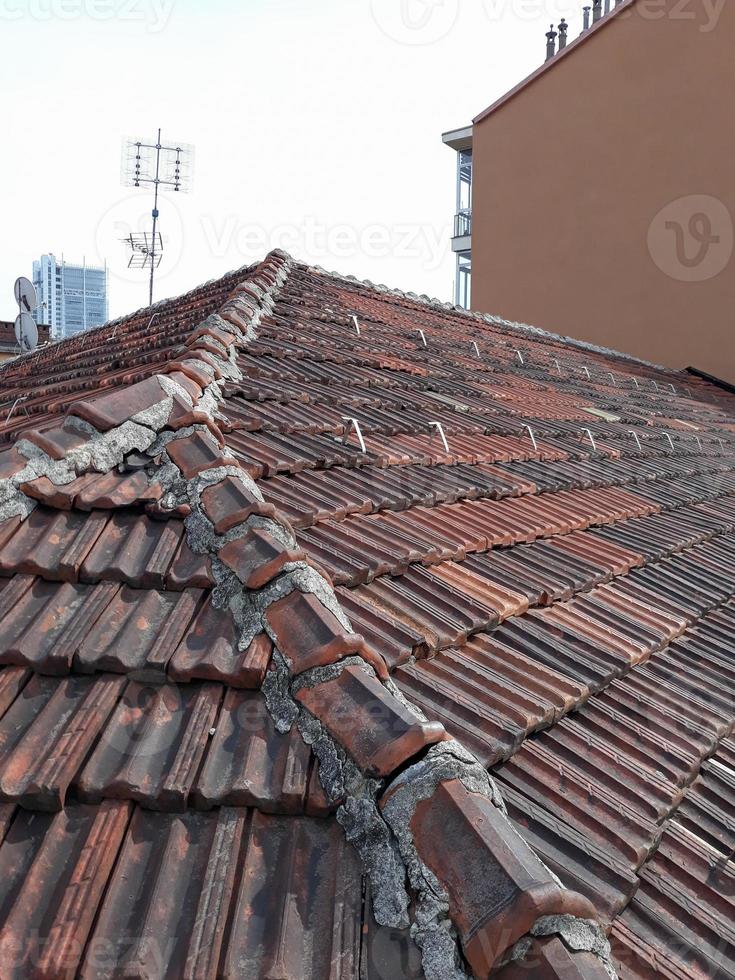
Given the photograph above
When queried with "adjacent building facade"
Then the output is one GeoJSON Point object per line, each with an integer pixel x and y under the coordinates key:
{"type": "Point", "coordinates": [72, 298]}
{"type": "Point", "coordinates": [602, 195]}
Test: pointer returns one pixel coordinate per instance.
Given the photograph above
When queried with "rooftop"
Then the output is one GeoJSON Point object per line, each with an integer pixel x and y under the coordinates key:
{"type": "Point", "coordinates": [344, 634]}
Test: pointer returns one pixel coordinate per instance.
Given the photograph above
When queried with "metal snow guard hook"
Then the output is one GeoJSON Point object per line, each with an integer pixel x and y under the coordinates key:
{"type": "Point", "coordinates": [356, 424]}
{"type": "Point", "coordinates": [520, 357]}
{"type": "Point", "coordinates": [18, 401]}
{"type": "Point", "coordinates": [357, 325]}
{"type": "Point", "coordinates": [635, 436]}
{"type": "Point", "coordinates": [671, 442]}
{"type": "Point", "coordinates": [423, 337]}
{"type": "Point", "coordinates": [533, 437]}
{"type": "Point", "coordinates": [440, 429]}
{"type": "Point", "coordinates": [477, 349]}
{"type": "Point", "coordinates": [592, 438]}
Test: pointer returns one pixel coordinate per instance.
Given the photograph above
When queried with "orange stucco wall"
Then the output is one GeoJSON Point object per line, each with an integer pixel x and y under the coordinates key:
{"type": "Point", "coordinates": [571, 175]}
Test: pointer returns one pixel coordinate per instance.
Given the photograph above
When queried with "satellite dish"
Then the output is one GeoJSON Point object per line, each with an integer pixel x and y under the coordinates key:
{"type": "Point", "coordinates": [25, 295]}
{"type": "Point", "coordinates": [26, 332]}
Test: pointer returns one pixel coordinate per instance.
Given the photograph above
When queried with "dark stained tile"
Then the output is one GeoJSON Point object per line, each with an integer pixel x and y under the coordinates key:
{"type": "Point", "coordinates": [581, 864]}
{"type": "Point", "coordinates": [46, 734]}
{"type": "Point", "coordinates": [664, 931]}
{"type": "Point", "coordinates": [249, 763]}
{"type": "Point", "coordinates": [133, 549]}
{"type": "Point", "coordinates": [51, 544]}
{"type": "Point", "coordinates": [48, 621]}
{"type": "Point", "coordinates": [195, 453]}
{"type": "Point", "coordinates": [189, 570]}
{"type": "Point", "coordinates": [53, 872]}
{"type": "Point", "coordinates": [297, 909]}
{"type": "Point", "coordinates": [388, 952]}
{"type": "Point", "coordinates": [138, 630]}
{"type": "Point", "coordinates": [152, 746]}
{"type": "Point", "coordinates": [166, 907]}
{"type": "Point", "coordinates": [12, 680]}
{"type": "Point", "coordinates": [210, 651]}
{"type": "Point", "coordinates": [229, 503]}
{"type": "Point", "coordinates": [572, 796]}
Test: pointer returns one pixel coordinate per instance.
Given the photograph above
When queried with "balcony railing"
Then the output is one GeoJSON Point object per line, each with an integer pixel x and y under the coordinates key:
{"type": "Point", "coordinates": [463, 224]}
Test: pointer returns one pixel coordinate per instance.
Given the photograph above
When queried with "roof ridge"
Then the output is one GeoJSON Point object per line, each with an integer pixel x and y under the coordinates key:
{"type": "Point", "coordinates": [491, 319]}
{"type": "Point", "coordinates": [154, 308]}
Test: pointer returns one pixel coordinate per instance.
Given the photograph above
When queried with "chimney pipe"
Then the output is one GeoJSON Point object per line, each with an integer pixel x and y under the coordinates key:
{"type": "Point", "coordinates": [550, 43]}
{"type": "Point", "coordinates": [586, 25]}
{"type": "Point", "coordinates": [596, 10]}
{"type": "Point", "coordinates": [563, 27]}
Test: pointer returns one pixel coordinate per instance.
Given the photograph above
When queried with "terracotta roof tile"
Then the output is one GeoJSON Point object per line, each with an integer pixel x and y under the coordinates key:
{"type": "Point", "coordinates": [133, 549]}
{"type": "Point", "coordinates": [178, 680]}
{"type": "Point", "coordinates": [210, 651]}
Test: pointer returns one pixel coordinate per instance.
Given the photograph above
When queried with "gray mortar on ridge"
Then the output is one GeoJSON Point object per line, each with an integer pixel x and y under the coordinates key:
{"type": "Point", "coordinates": [579, 935]}
{"type": "Point", "coordinates": [101, 453]}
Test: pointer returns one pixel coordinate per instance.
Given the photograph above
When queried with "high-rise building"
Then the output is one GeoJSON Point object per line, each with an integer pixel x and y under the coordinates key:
{"type": "Point", "coordinates": [71, 298]}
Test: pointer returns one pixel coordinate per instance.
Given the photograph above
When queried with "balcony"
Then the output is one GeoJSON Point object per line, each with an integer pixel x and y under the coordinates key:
{"type": "Point", "coordinates": [462, 237]}
{"type": "Point", "coordinates": [463, 223]}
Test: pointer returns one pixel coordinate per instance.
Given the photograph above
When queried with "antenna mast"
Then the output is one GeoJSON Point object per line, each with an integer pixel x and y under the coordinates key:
{"type": "Point", "coordinates": [166, 168]}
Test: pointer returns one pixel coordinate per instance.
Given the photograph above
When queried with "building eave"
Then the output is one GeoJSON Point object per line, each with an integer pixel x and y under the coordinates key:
{"type": "Point", "coordinates": [458, 139]}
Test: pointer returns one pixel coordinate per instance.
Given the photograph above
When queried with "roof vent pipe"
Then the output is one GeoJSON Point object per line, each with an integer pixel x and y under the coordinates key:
{"type": "Point", "coordinates": [596, 10]}
{"type": "Point", "coordinates": [550, 43]}
{"type": "Point", "coordinates": [563, 27]}
{"type": "Point", "coordinates": [586, 25]}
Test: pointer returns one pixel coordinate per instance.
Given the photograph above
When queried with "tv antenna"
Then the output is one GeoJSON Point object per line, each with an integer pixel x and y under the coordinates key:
{"type": "Point", "coordinates": [26, 331]}
{"type": "Point", "coordinates": [166, 167]}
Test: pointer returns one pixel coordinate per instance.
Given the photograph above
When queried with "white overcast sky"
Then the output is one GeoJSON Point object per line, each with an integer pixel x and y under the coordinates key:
{"type": "Point", "coordinates": [317, 128]}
